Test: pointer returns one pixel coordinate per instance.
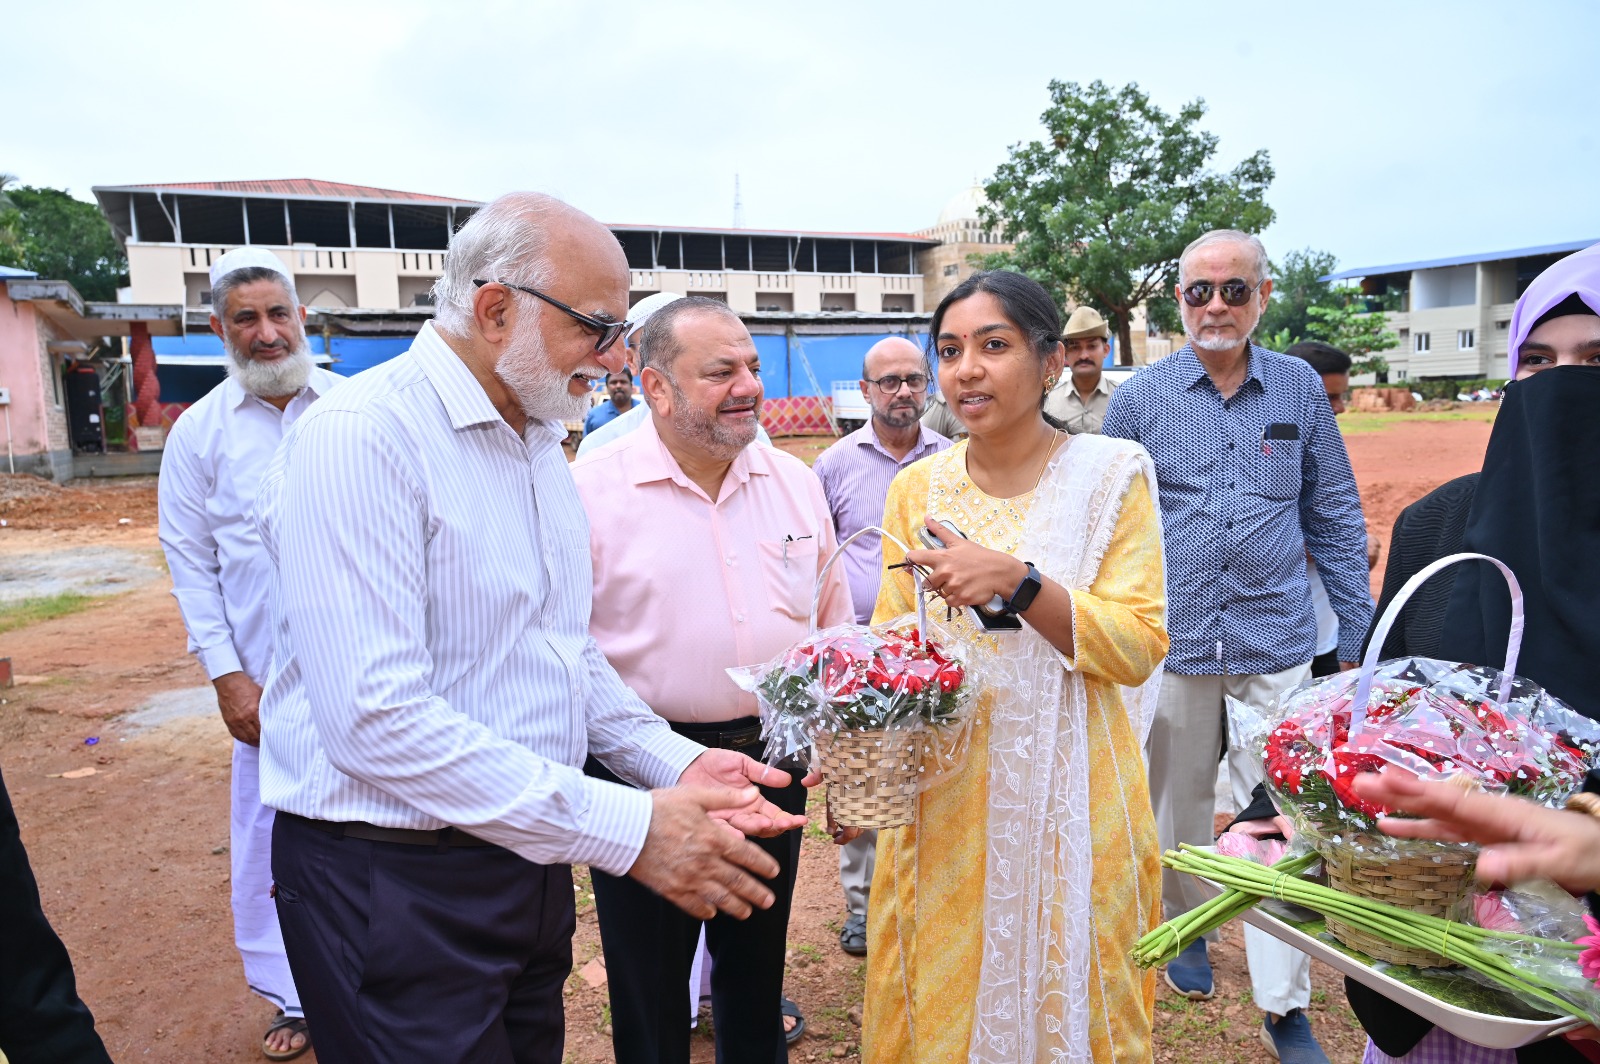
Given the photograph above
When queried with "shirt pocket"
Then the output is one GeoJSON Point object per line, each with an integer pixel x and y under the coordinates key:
{"type": "Point", "coordinates": [789, 573]}
{"type": "Point", "coordinates": [1275, 469]}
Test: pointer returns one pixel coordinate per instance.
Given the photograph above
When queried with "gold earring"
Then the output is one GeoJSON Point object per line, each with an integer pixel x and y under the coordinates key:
{"type": "Point", "coordinates": [1049, 383]}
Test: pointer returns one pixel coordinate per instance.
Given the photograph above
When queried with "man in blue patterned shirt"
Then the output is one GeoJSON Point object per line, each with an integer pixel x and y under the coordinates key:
{"type": "Point", "coordinates": [1253, 476]}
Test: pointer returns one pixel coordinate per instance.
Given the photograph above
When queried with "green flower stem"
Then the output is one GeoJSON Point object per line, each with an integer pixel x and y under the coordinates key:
{"type": "Point", "coordinates": [1458, 942]}
{"type": "Point", "coordinates": [1170, 939]}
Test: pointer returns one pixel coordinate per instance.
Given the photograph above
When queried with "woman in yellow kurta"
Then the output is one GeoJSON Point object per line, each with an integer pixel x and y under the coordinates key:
{"type": "Point", "coordinates": [1001, 921]}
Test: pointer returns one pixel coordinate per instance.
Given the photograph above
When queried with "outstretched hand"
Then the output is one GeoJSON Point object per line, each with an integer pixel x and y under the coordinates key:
{"type": "Point", "coordinates": [699, 863]}
{"type": "Point", "coordinates": [731, 770]}
{"type": "Point", "coordinates": [1522, 840]}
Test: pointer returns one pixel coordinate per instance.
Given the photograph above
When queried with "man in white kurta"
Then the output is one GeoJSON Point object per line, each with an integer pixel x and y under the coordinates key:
{"type": "Point", "coordinates": [221, 576]}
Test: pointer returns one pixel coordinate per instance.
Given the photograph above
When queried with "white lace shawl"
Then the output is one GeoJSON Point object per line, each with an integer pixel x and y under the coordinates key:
{"type": "Point", "coordinates": [1033, 991]}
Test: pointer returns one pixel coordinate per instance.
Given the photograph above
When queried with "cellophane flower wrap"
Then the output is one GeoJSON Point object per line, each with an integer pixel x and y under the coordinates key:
{"type": "Point", "coordinates": [1550, 937]}
{"type": "Point", "coordinates": [1438, 719]}
{"type": "Point", "coordinates": [860, 679]}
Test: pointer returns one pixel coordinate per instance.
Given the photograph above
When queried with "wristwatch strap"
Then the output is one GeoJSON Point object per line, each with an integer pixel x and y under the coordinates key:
{"type": "Point", "coordinates": [1024, 595]}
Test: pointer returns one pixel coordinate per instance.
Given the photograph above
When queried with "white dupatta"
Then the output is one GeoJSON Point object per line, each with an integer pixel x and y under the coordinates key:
{"type": "Point", "coordinates": [1033, 990]}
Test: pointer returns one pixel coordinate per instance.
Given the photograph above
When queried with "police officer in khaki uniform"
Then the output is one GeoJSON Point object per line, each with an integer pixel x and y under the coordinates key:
{"type": "Point", "coordinates": [1079, 401]}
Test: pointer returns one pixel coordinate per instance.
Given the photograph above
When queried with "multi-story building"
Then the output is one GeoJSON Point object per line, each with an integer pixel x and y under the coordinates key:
{"type": "Point", "coordinates": [1453, 315]}
{"type": "Point", "coordinates": [375, 249]}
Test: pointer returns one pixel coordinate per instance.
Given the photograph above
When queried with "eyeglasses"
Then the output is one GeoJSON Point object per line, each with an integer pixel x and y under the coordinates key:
{"type": "Point", "coordinates": [890, 384]}
{"type": "Point", "coordinates": [608, 331]}
{"type": "Point", "coordinates": [1234, 293]}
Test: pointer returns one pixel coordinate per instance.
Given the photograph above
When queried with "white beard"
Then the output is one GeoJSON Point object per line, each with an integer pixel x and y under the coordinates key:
{"type": "Point", "coordinates": [540, 388]}
{"type": "Point", "coordinates": [270, 379]}
{"type": "Point", "coordinates": [1218, 343]}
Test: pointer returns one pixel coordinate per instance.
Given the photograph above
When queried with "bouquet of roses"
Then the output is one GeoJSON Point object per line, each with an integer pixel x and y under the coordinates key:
{"type": "Point", "coordinates": [1437, 719]}
{"type": "Point", "coordinates": [883, 709]}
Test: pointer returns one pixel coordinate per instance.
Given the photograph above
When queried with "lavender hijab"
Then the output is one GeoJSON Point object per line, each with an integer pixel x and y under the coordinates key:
{"type": "Point", "coordinates": [1576, 275]}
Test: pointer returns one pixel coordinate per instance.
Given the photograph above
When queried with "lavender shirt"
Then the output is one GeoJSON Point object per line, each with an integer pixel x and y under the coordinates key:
{"type": "Point", "coordinates": [855, 474]}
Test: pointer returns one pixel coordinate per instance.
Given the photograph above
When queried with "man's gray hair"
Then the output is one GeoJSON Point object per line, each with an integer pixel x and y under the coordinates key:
{"type": "Point", "coordinates": [247, 275]}
{"type": "Point", "coordinates": [658, 342]}
{"type": "Point", "coordinates": [1228, 236]}
{"type": "Point", "coordinates": [505, 242]}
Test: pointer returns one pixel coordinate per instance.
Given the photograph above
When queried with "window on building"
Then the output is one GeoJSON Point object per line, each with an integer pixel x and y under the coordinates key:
{"type": "Point", "coordinates": [898, 304]}
{"type": "Point", "coordinates": [1421, 344]}
{"type": "Point", "coordinates": [372, 225]}
{"type": "Point", "coordinates": [702, 251]}
{"type": "Point", "coordinates": [833, 256]}
{"type": "Point", "coordinates": [952, 269]}
{"type": "Point", "coordinates": [1399, 374]}
{"type": "Point", "coordinates": [416, 228]}
{"type": "Point", "coordinates": [1502, 326]}
{"type": "Point", "coordinates": [736, 251]}
{"type": "Point", "coordinates": [769, 254]}
{"type": "Point", "coordinates": [636, 246]}
{"type": "Point", "coordinates": [896, 258]}
{"type": "Point", "coordinates": [267, 219]}
{"type": "Point", "coordinates": [1466, 339]}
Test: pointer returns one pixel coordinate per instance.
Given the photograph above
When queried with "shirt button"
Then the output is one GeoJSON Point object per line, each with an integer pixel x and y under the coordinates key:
{"type": "Point", "coordinates": [1231, 485]}
{"type": "Point", "coordinates": [1230, 524]}
{"type": "Point", "coordinates": [1224, 566]}
{"type": "Point", "coordinates": [739, 617]}
{"type": "Point", "coordinates": [1230, 445]}
{"type": "Point", "coordinates": [729, 559]}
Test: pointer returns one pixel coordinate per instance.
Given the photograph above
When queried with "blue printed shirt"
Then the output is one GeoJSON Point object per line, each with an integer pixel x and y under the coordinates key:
{"type": "Point", "coordinates": [1240, 508]}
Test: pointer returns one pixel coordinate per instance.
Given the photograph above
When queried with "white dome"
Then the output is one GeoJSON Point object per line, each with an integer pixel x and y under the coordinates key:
{"type": "Point", "coordinates": [963, 206]}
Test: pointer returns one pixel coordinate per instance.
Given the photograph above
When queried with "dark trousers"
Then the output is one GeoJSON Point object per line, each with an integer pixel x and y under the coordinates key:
{"type": "Point", "coordinates": [1325, 664]}
{"type": "Point", "coordinates": [411, 953]}
{"type": "Point", "coordinates": [42, 1019]}
{"type": "Point", "coordinates": [649, 945]}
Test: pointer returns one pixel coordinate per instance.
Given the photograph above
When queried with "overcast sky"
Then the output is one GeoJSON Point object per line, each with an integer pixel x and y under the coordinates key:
{"type": "Point", "coordinates": [1399, 130]}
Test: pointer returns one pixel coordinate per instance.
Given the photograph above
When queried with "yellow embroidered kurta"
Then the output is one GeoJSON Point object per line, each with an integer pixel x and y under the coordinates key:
{"type": "Point", "coordinates": [925, 923]}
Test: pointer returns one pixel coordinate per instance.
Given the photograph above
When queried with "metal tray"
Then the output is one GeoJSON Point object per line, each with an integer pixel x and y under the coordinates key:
{"type": "Point", "coordinates": [1484, 1029]}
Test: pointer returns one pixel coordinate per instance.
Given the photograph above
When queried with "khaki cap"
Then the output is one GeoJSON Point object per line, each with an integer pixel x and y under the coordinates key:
{"type": "Point", "coordinates": [1086, 321]}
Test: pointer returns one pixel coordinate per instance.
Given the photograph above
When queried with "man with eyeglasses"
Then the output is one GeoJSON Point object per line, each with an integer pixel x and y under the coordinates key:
{"type": "Point", "coordinates": [619, 426]}
{"type": "Point", "coordinates": [435, 688]}
{"type": "Point", "coordinates": [1080, 401]}
{"type": "Point", "coordinates": [1253, 477]}
{"type": "Point", "coordinates": [855, 474]}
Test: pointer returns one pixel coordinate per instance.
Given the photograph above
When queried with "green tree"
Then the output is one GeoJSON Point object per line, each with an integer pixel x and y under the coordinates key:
{"type": "Point", "coordinates": [1297, 286]}
{"type": "Point", "coordinates": [1102, 207]}
{"type": "Point", "coordinates": [1355, 332]}
{"type": "Point", "coordinates": [62, 239]}
{"type": "Point", "coordinates": [10, 223]}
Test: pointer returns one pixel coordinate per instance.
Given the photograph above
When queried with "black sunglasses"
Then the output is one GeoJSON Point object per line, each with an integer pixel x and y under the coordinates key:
{"type": "Point", "coordinates": [890, 383]}
{"type": "Point", "coordinates": [1234, 293]}
{"type": "Point", "coordinates": [608, 331]}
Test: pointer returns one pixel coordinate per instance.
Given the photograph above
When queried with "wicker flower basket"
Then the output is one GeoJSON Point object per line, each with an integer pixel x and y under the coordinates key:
{"type": "Point", "coordinates": [1431, 885]}
{"type": "Point", "coordinates": [871, 777]}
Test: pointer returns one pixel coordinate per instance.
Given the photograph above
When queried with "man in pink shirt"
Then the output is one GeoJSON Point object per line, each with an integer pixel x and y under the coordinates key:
{"type": "Point", "coordinates": [706, 548]}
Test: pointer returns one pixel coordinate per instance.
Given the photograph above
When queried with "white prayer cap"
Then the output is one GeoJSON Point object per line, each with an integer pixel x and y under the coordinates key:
{"type": "Point", "coordinates": [640, 312]}
{"type": "Point", "coordinates": [243, 258]}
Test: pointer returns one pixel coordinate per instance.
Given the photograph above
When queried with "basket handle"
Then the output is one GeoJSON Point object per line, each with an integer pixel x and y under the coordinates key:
{"type": "Point", "coordinates": [1369, 662]}
{"type": "Point", "coordinates": [916, 580]}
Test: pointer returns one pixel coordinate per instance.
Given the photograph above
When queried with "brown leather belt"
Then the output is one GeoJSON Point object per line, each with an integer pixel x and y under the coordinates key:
{"type": "Point", "coordinates": [442, 839]}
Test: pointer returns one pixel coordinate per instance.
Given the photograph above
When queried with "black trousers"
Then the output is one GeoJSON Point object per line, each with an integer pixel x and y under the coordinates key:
{"type": "Point", "coordinates": [411, 953]}
{"type": "Point", "coordinates": [42, 1019]}
{"type": "Point", "coordinates": [1325, 664]}
{"type": "Point", "coordinates": [649, 945]}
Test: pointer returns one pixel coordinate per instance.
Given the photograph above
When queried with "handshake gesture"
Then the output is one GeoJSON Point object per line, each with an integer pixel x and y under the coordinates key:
{"type": "Point", "coordinates": [696, 855]}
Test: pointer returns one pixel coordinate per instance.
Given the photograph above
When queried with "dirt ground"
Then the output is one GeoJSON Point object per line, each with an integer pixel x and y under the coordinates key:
{"type": "Point", "coordinates": [132, 860]}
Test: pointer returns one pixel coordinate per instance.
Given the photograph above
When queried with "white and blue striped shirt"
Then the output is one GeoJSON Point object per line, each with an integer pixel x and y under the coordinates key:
{"type": "Point", "coordinates": [432, 660]}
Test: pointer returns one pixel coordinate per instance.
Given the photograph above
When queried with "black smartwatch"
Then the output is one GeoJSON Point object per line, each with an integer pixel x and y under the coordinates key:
{"type": "Point", "coordinates": [1026, 591]}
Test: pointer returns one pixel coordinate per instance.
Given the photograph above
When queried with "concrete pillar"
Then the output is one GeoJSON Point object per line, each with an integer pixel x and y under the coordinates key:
{"type": "Point", "coordinates": [146, 386]}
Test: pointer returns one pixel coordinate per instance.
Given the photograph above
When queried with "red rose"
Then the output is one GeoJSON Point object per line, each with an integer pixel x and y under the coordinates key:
{"type": "Point", "coordinates": [951, 677]}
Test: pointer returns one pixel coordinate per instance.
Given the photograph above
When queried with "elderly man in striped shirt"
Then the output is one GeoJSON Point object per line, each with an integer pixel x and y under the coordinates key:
{"type": "Point", "coordinates": [855, 474]}
{"type": "Point", "coordinates": [435, 689]}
